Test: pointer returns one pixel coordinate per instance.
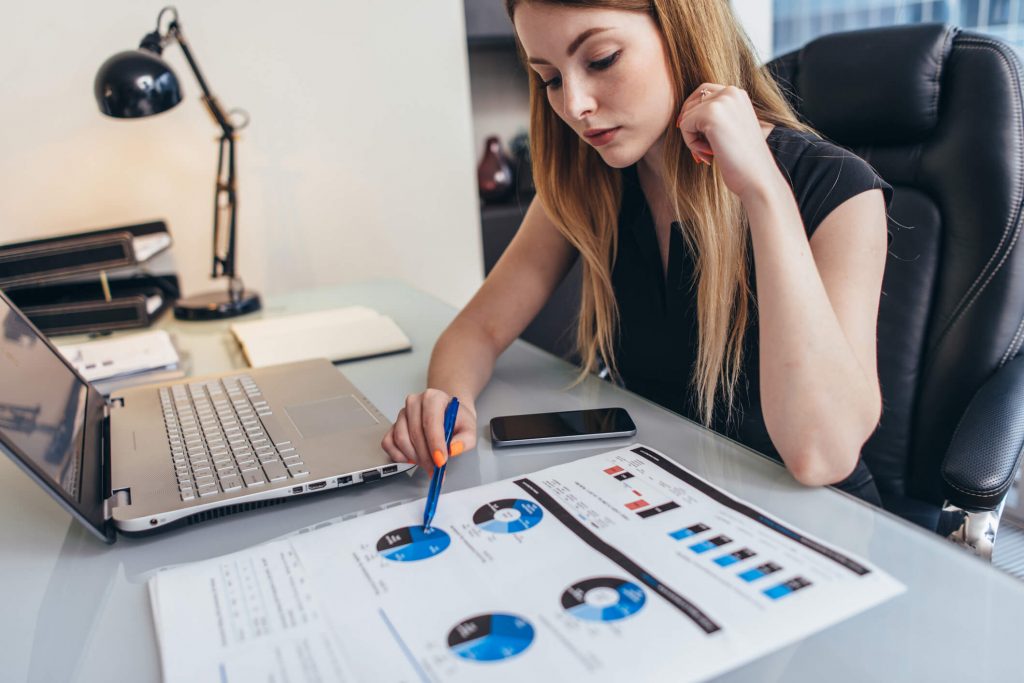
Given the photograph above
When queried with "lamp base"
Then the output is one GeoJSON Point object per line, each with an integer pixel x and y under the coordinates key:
{"type": "Point", "coordinates": [217, 305]}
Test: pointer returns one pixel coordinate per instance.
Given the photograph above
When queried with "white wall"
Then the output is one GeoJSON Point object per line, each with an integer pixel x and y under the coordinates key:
{"type": "Point", "coordinates": [359, 162]}
{"type": "Point", "coordinates": [756, 17]}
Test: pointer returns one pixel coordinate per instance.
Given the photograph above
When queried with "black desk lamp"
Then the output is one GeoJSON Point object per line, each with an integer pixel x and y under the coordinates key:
{"type": "Point", "coordinates": [138, 83]}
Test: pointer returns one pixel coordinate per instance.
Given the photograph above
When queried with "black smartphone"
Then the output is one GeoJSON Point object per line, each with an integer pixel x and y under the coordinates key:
{"type": "Point", "coordinates": [571, 425]}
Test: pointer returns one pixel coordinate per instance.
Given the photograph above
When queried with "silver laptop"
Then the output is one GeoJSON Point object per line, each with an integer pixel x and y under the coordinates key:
{"type": "Point", "coordinates": [181, 452]}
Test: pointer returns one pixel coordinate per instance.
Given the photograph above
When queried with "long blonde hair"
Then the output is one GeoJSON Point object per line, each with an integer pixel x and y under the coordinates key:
{"type": "Point", "coordinates": [582, 195]}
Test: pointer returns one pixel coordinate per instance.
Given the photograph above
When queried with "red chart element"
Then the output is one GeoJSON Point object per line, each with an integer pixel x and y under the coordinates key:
{"type": "Point", "coordinates": [637, 504]}
{"type": "Point", "coordinates": [613, 470]}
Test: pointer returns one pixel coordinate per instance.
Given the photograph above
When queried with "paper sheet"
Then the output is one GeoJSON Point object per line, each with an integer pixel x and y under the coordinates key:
{"type": "Point", "coordinates": [123, 355]}
{"type": "Point", "coordinates": [622, 566]}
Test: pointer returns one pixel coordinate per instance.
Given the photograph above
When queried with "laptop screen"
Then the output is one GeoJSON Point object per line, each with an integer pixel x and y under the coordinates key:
{"type": "Point", "coordinates": [42, 403]}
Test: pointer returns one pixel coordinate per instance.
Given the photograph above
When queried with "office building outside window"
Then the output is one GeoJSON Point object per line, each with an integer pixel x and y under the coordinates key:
{"type": "Point", "coordinates": [796, 22]}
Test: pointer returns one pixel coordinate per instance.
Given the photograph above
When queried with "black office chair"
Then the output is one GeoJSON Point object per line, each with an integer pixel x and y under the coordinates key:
{"type": "Point", "coordinates": [939, 113]}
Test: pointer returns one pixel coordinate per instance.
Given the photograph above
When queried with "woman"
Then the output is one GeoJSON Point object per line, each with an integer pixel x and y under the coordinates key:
{"type": "Point", "coordinates": [732, 261]}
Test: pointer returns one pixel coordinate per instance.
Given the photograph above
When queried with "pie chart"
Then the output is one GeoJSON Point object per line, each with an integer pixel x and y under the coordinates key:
{"type": "Point", "coordinates": [508, 516]}
{"type": "Point", "coordinates": [490, 637]}
{"type": "Point", "coordinates": [412, 543]}
{"type": "Point", "coordinates": [603, 598]}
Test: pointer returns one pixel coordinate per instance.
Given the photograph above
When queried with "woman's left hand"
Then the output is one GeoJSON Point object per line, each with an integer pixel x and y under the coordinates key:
{"type": "Point", "coordinates": [719, 124]}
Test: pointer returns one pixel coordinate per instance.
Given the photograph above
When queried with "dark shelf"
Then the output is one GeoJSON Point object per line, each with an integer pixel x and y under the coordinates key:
{"type": "Point", "coordinates": [505, 211]}
{"type": "Point", "coordinates": [491, 42]}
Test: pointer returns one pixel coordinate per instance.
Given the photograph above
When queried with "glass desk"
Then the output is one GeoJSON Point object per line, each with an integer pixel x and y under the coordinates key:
{"type": "Point", "coordinates": [76, 610]}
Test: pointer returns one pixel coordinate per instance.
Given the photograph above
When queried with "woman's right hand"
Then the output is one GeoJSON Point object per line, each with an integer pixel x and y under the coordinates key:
{"type": "Point", "coordinates": [417, 436]}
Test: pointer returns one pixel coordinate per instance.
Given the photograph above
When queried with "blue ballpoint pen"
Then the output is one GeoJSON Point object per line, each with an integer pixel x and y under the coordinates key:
{"type": "Point", "coordinates": [434, 492]}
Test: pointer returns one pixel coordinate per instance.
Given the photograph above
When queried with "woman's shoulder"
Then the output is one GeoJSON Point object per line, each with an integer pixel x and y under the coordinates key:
{"type": "Point", "coordinates": [822, 174]}
{"type": "Point", "coordinates": [794, 148]}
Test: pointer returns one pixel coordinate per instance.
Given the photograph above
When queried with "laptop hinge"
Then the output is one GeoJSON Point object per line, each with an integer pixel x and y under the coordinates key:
{"type": "Point", "coordinates": [120, 497]}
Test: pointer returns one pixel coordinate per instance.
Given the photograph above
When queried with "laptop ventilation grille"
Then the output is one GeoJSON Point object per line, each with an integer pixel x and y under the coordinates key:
{"type": "Point", "coordinates": [207, 515]}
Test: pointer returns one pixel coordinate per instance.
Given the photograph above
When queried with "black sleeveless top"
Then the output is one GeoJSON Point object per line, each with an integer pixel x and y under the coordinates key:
{"type": "Point", "coordinates": [657, 344]}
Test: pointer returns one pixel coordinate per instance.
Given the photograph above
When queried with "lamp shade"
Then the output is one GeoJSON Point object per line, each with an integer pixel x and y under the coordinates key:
{"type": "Point", "coordinates": [136, 83]}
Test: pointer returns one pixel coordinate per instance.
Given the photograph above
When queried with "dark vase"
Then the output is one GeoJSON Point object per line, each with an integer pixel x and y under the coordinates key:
{"type": "Point", "coordinates": [494, 173]}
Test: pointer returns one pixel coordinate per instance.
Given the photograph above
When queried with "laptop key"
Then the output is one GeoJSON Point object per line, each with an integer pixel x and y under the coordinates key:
{"type": "Point", "coordinates": [253, 478]}
{"type": "Point", "coordinates": [230, 483]}
{"type": "Point", "coordinates": [187, 496]}
{"type": "Point", "coordinates": [275, 470]}
{"type": "Point", "coordinates": [205, 492]}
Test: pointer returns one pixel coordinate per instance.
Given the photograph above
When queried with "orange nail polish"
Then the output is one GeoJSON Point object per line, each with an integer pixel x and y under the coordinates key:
{"type": "Point", "coordinates": [457, 448]}
{"type": "Point", "coordinates": [438, 458]}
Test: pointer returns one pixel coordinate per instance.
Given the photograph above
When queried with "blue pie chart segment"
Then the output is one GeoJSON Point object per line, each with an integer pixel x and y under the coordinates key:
{"type": "Point", "coordinates": [508, 516]}
{"type": "Point", "coordinates": [603, 598]}
{"type": "Point", "coordinates": [412, 543]}
{"type": "Point", "coordinates": [490, 637]}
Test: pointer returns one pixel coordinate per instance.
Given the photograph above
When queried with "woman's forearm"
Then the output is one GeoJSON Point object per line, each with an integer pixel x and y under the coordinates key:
{"type": "Point", "coordinates": [819, 403]}
{"type": "Point", "coordinates": [462, 361]}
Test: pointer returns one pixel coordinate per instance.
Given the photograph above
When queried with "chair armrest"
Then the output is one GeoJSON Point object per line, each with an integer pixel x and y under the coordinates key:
{"type": "Point", "coordinates": [985, 450]}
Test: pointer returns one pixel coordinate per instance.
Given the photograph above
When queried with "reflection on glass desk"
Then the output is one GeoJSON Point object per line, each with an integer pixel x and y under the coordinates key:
{"type": "Point", "coordinates": [78, 610]}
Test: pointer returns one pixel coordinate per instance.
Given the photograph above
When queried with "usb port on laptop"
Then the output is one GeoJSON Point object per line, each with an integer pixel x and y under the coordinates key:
{"type": "Point", "coordinates": [390, 469]}
{"type": "Point", "coordinates": [371, 475]}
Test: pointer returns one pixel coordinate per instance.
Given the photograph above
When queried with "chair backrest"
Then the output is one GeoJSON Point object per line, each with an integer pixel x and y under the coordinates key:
{"type": "Point", "coordinates": [938, 112]}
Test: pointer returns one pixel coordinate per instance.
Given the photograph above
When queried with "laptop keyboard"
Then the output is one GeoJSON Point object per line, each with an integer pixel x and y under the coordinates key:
{"type": "Point", "coordinates": [219, 439]}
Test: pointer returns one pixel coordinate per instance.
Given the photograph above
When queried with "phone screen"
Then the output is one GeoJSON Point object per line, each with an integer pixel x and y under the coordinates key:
{"type": "Point", "coordinates": [568, 425]}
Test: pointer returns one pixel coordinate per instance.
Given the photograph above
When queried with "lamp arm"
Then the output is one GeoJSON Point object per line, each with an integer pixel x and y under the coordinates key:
{"type": "Point", "coordinates": [174, 31]}
{"type": "Point", "coordinates": [225, 199]}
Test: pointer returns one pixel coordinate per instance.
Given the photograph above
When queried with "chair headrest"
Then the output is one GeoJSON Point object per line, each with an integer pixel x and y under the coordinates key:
{"type": "Point", "coordinates": [898, 103]}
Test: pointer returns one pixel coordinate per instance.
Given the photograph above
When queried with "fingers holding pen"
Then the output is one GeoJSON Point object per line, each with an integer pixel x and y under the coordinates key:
{"type": "Point", "coordinates": [397, 443]}
{"type": "Point", "coordinates": [414, 418]}
{"type": "Point", "coordinates": [434, 404]}
{"type": "Point", "coordinates": [464, 436]}
{"type": "Point", "coordinates": [418, 437]}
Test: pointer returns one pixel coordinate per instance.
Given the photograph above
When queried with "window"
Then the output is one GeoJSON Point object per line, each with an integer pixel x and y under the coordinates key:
{"type": "Point", "coordinates": [796, 22]}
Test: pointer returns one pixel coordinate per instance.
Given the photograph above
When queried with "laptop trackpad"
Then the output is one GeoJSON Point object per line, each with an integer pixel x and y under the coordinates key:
{"type": "Point", "coordinates": [330, 416]}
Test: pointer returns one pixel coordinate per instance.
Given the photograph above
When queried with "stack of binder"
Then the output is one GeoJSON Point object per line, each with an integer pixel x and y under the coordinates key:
{"type": "Point", "coordinates": [61, 283]}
